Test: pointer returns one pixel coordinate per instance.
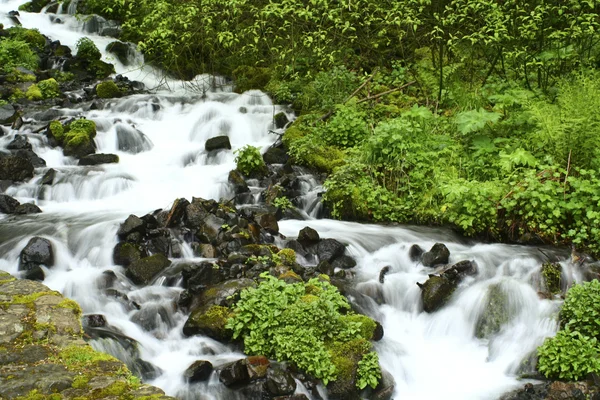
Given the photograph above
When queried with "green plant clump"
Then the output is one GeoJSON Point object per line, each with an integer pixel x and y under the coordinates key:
{"type": "Point", "coordinates": [301, 323]}
{"type": "Point", "coordinates": [108, 89]}
{"type": "Point", "coordinates": [17, 53]}
{"type": "Point", "coordinates": [87, 50]}
{"type": "Point", "coordinates": [249, 161]}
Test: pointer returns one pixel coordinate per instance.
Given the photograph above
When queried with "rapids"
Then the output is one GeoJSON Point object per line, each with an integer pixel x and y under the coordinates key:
{"type": "Point", "coordinates": [159, 139]}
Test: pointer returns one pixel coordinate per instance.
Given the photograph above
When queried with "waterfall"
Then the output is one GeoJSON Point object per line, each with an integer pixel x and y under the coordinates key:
{"type": "Point", "coordinates": [159, 139]}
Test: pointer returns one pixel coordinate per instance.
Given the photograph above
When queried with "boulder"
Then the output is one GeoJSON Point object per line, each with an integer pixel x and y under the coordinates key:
{"type": "Point", "coordinates": [308, 236]}
{"type": "Point", "coordinates": [234, 374]}
{"type": "Point", "coordinates": [20, 142]}
{"type": "Point", "coordinates": [123, 51]}
{"type": "Point", "coordinates": [438, 254]}
{"type": "Point", "coordinates": [436, 291]}
{"type": "Point", "coordinates": [415, 253]}
{"type": "Point", "coordinates": [194, 216]}
{"type": "Point", "coordinates": [15, 168]}
{"type": "Point", "coordinates": [93, 321]}
{"type": "Point", "coordinates": [8, 205]}
{"type": "Point", "coordinates": [132, 224]}
{"type": "Point", "coordinates": [279, 382]}
{"type": "Point", "coordinates": [217, 143]}
{"type": "Point", "coordinates": [280, 120]}
{"type": "Point", "coordinates": [222, 294]}
{"type": "Point", "coordinates": [203, 273]}
{"type": "Point", "coordinates": [209, 321]}
{"type": "Point", "coordinates": [329, 249]}
{"type": "Point", "coordinates": [496, 312]}
{"type": "Point", "coordinates": [385, 388]}
{"type": "Point", "coordinates": [257, 366]}
{"type": "Point", "coordinates": [126, 253]}
{"type": "Point", "coordinates": [552, 277]}
{"type": "Point", "coordinates": [237, 181]}
{"type": "Point", "coordinates": [97, 159]}
{"type": "Point", "coordinates": [199, 371]}
{"type": "Point", "coordinates": [27, 208]}
{"type": "Point", "coordinates": [141, 272]}
{"type": "Point", "coordinates": [177, 212]}
{"type": "Point", "coordinates": [7, 114]}
{"type": "Point", "coordinates": [38, 251]}
{"type": "Point", "coordinates": [344, 262]}
{"type": "Point", "coordinates": [461, 269]}
{"type": "Point", "coordinates": [209, 231]}
{"type": "Point", "coordinates": [275, 155]}
{"type": "Point", "coordinates": [268, 222]}
{"type": "Point", "coordinates": [29, 155]}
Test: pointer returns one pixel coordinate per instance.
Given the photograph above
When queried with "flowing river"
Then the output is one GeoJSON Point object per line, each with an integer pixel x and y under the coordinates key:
{"type": "Point", "coordinates": [431, 356]}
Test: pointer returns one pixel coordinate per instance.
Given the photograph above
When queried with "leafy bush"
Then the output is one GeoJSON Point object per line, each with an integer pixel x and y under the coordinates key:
{"type": "Point", "coordinates": [347, 127]}
{"type": "Point", "coordinates": [32, 37]}
{"type": "Point", "coordinates": [581, 309]}
{"type": "Point", "coordinates": [49, 88]}
{"type": "Point", "coordinates": [297, 322]}
{"type": "Point", "coordinates": [369, 371]}
{"type": "Point", "coordinates": [249, 160]}
{"type": "Point", "coordinates": [283, 203]}
{"type": "Point", "coordinates": [87, 50]}
{"type": "Point", "coordinates": [569, 355]}
{"type": "Point", "coordinates": [17, 53]}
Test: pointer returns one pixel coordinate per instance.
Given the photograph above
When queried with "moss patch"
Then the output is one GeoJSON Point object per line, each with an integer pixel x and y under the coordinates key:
{"type": "Point", "coordinates": [108, 89]}
{"type": "Point", "coordinates": [365, 324]}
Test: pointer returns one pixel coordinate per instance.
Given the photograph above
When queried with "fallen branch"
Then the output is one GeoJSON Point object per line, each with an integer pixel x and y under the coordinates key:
{"type": "Point", "coordinates": [326, 116]}
{"type": "Point", "coordinates": [386, 92]}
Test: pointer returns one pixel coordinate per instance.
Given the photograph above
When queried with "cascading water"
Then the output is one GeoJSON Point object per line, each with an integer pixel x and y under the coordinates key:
{"type": "Point", "coordinates": [160, 140]}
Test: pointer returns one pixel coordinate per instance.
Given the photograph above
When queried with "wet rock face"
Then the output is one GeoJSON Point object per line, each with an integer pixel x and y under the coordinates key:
{"type": "Point", "coordinates": [8, 205]}
{"type": "Point", "coordinates": [199, 371]}
{"type": "Point", "coordinates": [234, 374]}
{"type": "Point", "coordinates": [438, 254]}
{"type": "Point", "coordinates": [218, 143]}
{"type": "Point", "coordinates": [97, 159]}
{"type": "Point", "coordinates": [14, 168]}
{"type": "Point", "coordinates": [38, 251]}
{"type": "Point", "coordinates": [142, 271]}
{"type": "Point", "coordinates": [279, 382]}
{"type": "Point", "coordinates": [436, 291]}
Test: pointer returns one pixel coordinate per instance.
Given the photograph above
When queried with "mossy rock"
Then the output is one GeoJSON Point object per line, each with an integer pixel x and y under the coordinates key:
{"type": "Point", "coordinates": [34, 6]}
{"type": "Point", "coordinates": [290, 277]}
{"type": "Point", "coordinates": [436, 292]}
{"type": "Point", "coordinates": [209, 321]}
{"type": "Point", "coordinates": [49, 88]}
{"type": "Point", "coordinates": [496, 312]}
{"type": "Point", "coordinates": [247, 78]}
{"type": "Point", "coordinates": [78, 143]}
{"type": "Point", "coordinates": [141, 272]}
{"type": "Point", "coordinates": [345, 356]}
{"type": "Point", "coordinates": [34, 93]}
{"type": "Point", "coordinates": [287, 257]}
{"type": "Point", "coordinates": [366, 325]}
{"type": "Point", "coordinates": [56, 131]}
{"type": "Point", "coordinates": [101, 69]}
{"type": "Point", "coordinates": [552, 277]}
{"type": "Point", "coordinates": [107, 90]}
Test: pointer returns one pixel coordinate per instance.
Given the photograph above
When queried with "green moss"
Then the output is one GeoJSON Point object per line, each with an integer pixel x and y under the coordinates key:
{"type": "Point", "coordinates": [61, 76]}
{"type": "Point", "coordinates": [33, 37]}
{"type": "Point", "coordinates": [108, 89]}
{"type": "Point", "coordinates": [35, 395]}
{"type": "Point", "coordinates": [70, 304]}
{"type": "Point", "coordinates": [85, 125]}
{"type": "Point", "coordinates": [17, 76]}
{"type": "Point", "coordinates": [116, 389]}
{"type": "Point", "coordinates": [30, 298]}
{"type": "Point", "coordinates": [57, 131]}
{"type": "Point", "coordinates": [49, 88]}
{"type": "Point", "coordinates": [495, 314]}
{"type": "Point", "coordinates": [552, 276]}
{"type": "Point", "coordinates": [215, 317]}
{"type": "Point", "coordinates": [290, 277]}
{"type": "Point", "coordinates": [101, 69]}
{"type": "Point", "coordinates": [77, 358]}
{"type": "Point", "coordinates": [247, 78]}
{"type": "Point", "coordinates": [80, 382]}
{"type": "Point", "coordinates": [366, 325]}
{"type": "Point", "coordinates": [27, 7]}
{"type": "Point", "coordinates": [34, 93]}
{"type": "Point", "coordinates": [345, 357]}
{"type": "Point", "coordinates": [287, 256]}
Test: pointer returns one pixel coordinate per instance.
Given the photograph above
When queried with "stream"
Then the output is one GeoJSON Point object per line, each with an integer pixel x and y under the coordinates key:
{"type": "Point", "coordinates": [430, 355]}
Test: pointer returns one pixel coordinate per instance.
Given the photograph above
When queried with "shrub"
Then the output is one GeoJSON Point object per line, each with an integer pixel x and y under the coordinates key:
{"type": "Point", "coordinates": [49, 88]}
{"type": "Point", "coordinates": [297, 322]}
{"type": "Point", "coordinates": [581, 309]}
{"type": "Point", "coordinates": [32, 37]}
{"type": "Point", "coordinates": [34, 93]}
{"type": "Point", "coordinates": [347, 128]}
{"type": "Point", "coordinates": [249, 160]}
{"type": "Point", "coordinates": [569, 355]}
{"type": "Point", "coordinates": [87, 50]}
{"type": "Point", "coordinates": [17, 53]}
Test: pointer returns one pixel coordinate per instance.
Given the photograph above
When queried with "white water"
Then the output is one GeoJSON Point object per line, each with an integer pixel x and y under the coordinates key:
{"type": "Point", "coordinates": [431, 356]}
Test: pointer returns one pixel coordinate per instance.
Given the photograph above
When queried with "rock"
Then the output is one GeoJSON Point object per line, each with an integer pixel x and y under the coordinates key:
{"type": "Point", "coordinates": [217, 143]}
{"type": "Point", "coordinates": [552, 277]}
{"type": "Point", "coordinates": [384, 271]}
{"type": "Point", "coordinates": [326, 268]}
{"type": "Point", "coordinates": [438, 254]}
{"type": "Point", "coordinates": [385, 388]}
{"type": "Point", "coordinates": [199, 371]}
{"type": "Point", "coordinates": [141, 272]}
{"type": "Point", "coordinates": [94, 321]}
{"type": "Point", "coordinates": [496, 312]}
{"type": "Point", "coordinates": [268, 222]}
{"type": "Point", "coordinates": [275, 155]}
{"type": "Point", "coordinates": [344, 262]}
{"type": "Point", "coordinates": [27, 208]}
{"type": "Point", "coordinates": [329, 249]}
{"type": "Point", "coordinates": [308, 236]}
{"type": "Point", "coordinates": [20, 142]}
{"type": "Point", "coordinates": [194, 216]}
{"type": "Point", "coordinates": [279, 382]}
{"type": "Point", "coordinates": [15, 168]}
{"type": "Point", "coordinates": [101, 158]}
{"type": "Point", "coordinates": [29, 155]}
{"type": "Point", "coordinates": [126, 253]}
{"type": "Point", "coordinates": [132, 224]}
{"type": "Point", "coordinates": [132, 140]}
{"type": "Point", "coordinates": [436, 291]}
{"type": "Point", "coordinates": [415, 253]}
{"type": "Point", "coordinates": [205, 250]}
{"type": "Point", "coordinates": [461, 269]}
{"type": "Point", "coordinates": [177, 211]}
{"type": "Point", "coordinates": [280, 120]}
{"type": "Point", "coordinates": [8, 205]}
{"type": "Point", "coordinates": [123, 51]}
{"type": "Point", "coordinates": [257, 366]}
{"type": "Point", "coordinates": [209, 231]}
{"type": "Point", "coordinates": [234, 374]}
{"type": "Point", "coordinates": [237, 181]}
{"type": "Point", "coordinates": [203, 273]}
{"type": "Point", "coordinates": [222, 294]}
{"type": "Point", "coordinates": [209, 321]}
{"type": "Point", "coordinates": [7, 114]}
{"type": "Point", "coordinates": [38, 251]}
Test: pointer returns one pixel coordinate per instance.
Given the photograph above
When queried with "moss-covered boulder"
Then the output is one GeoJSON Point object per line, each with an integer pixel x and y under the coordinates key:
{"type": "Point", "coordinates": [496, 312]}
{"type": "Point", "coordinates": [346, 356]}
{"type": "Point", "coordinates": [436, 292]}
{"type": "Point", "coordinates": [55, 132]}
{"type": "Point", "coordinates": [209, 321]}
{"type": "Point", "coordinates": [126, 253]}
{"type": "Point", "coordinates": [15, 168]}
{"type": "Point", "coordinates": [141, 272]}
{"type": "Point", "coordinates": [34, 6]}
{"type": "Point", "coordinates": [79, 140]}
{"type": "Point", "coordinates": [107, 90]}
{"type": "Point", "coordinates": [552, 277]}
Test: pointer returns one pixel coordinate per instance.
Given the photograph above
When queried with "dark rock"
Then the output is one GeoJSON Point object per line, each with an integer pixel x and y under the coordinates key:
{"type": "Point", "coordinates": [279, 382]}
{"type": "Point", "coordinates": [462, 269]}
{"type": "Point", "coordinates": [94, 320]}
{"type": "Point", "coordinates": [237, 181]}
{"type": "Point", "coordinates": [234, 374]}
{"type": "Point", "coordinates": [496, 312]}
{"type": "Point", "coordinates": [257, 366]}
{"type": "Point", "coordinates": [222, 294]}
{"type": "Point", "coordinates": [415, 253]}
{"type": "Point", "coordinates": [132, 140]}
{"type": "Point", "coordinates": [438, 254]}
{"type": "Point", "coordinates": [154, 316]}
{"type": "Point", "coordinates": [27, 208]}
{"type": "Point", "coordinates": [203, 273]}
{"type": "Point", "coordinates": [123, 51]}
{"type": "Point", "coordinates": [436, 291]}
{"type": "Point", "coordinates": [126, 253]}
{"type": "Point", "coordinates": [378, 332]}
{"type": "Point", "coordinates": [8, 205]}
{"type": "Point", "coordinates": [280, 120]}
{"type": "Point", "coordinates": [101, 158]}
{"type": "Point", "coordinates": [344, 262]}
{"type": "Point", "coordinates": [15, 168]}
{"type": "Point", "coordinates": [209, 321]}
{"type": "Point", "coordinates": [275, 155]}
{"type": "Point", "coordinates": [7, 114]}
{"type": "Point", "coordinates": [385, 388]}
{"type": "Point", "coordinates": [132, 224]}
{"type": "Point", "coordinates": [194, 216]}
{"type": "Point", "coordinates": [199, 371]}
{"type": "Point", "coordinates": [384, 271]}
{"type": "Point", "coordinates": [35, 160]}
{"type": "Point", "coordinates": [20, 142]}
{"type": "Point", "coordinates": [141, 272]}
{"type": "Point", "coordinates": [308, 236]}
{"type": "Point", "coordinates": [49, 177]}
{"type": "Point", "coordinates": [177, 211]}
{"type": "Point", "coordinates": [218, 143]}
{"type": "Point", "coordinates": [209, 231]}
{"type": "Point", "coordinates": [268, 222]}
{"type": "Point", "coordinates": [326, 268]}
{"type": "Point", "coordinates": [38, 251]}
{"type": "Point", "coordinates": [329, 249]}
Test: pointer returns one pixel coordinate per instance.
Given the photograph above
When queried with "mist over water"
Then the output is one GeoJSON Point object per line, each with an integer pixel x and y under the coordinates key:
{"type": "Point", "coordinates": [159, 139]}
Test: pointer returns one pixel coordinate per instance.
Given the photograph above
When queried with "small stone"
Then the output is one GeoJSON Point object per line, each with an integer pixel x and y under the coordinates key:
{"type": "Point", "coordinates": [218, 143]}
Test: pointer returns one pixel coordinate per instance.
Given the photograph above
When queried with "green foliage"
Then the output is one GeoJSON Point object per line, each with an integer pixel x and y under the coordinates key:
{"type": "Point", "coordinates": [283, 203]}
{"type": "Point", "coordinates": [347, 127]}
{"type": "Point", "coordinates": [57, 130]}
{"type": "Point", "coordinates": [17, 53]}
{"type": "Point", "coordinates": [49, 88]}
{"type": "Point", "coordinates": [108, 89]}
{"type": "Point", "coordinates": [569, 355]}
{"type": "Point", "coordinates": [84, 125]}
{"type": "Point", "coordinates": [475, 120]}
{"type": "Point", "coordinates": [294, 322]}
{"type": "Point", "coordinates": [87, 50]}
{"type": "Point", "coordinates": [369, 372]}
{"type": "Point", "coordinates": [249, 160]}
{"type": "Point", "coordinates": [581, 309]}
{"type": "Point", "coordinates": [34, 93]}
{"type": "Point", "coordinates": [32, 37]}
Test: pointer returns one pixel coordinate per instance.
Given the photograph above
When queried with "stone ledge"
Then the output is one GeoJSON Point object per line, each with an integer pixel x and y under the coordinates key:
{"type": "Point", "coordinates": [43, 355]}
